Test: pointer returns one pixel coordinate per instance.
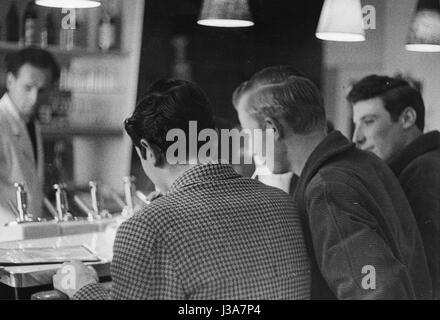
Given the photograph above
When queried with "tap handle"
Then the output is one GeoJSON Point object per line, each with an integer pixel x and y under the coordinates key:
{"type": "Point", "coordinates": [62, 205]}
{"type": "Point", "coordinates": [58, 203]}
{"type": "Point", "coordinates": [64, 200]}
{"type": "Point", "coordinates": [94, 192]}
{"type": "Point", "coordinates": [22, 204]}
{"type": "Point", "coordinates": [129, 190]}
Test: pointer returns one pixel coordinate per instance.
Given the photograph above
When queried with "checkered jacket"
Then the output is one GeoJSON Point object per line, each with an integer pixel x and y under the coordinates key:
{"type": "Point", "coordinates": [214, 235]}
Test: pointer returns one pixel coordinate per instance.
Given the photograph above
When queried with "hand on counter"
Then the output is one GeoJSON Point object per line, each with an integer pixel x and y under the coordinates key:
{"type": "Point", "coordinates": [72, 276]}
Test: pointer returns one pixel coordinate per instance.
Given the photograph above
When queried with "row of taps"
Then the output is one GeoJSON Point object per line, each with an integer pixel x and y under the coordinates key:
{"type": "Point", "coordinates": [61, 211]}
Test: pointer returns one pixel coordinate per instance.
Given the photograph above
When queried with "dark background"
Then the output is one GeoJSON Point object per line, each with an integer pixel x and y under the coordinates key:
{"type": "Point", "coordinates": [222, 58]}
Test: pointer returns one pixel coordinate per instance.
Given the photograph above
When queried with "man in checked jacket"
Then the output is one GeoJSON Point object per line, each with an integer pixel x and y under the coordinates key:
{"type": "Point", "coordinates": [361, 234]}
{"type": "Point", "coordinates": [212, 235]}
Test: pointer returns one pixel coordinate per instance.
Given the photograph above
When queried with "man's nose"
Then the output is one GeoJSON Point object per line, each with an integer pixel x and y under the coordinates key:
{"type": "Point", "coordinates": [358, 137]}
{"type": "Point", "coordinates": [34, 96]}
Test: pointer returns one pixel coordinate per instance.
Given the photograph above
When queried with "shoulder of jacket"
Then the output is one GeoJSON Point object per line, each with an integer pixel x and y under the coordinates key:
{"type": "Point", "coordinates": [155, 213]}
{"type": "Point", "coordinates": [425, 166]}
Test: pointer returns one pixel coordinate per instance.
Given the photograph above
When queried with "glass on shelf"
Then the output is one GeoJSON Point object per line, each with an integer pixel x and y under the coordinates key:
{"type": "Point", "coordinates": [94, 81]}
{"type": "Point", "coordinates": [109, 26]}
{"type": "Point", "coordinates": [30, 25]}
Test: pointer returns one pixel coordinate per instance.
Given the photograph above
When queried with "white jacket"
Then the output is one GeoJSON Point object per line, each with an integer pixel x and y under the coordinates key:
{"type": "Point", "coordinates": [17, 162]}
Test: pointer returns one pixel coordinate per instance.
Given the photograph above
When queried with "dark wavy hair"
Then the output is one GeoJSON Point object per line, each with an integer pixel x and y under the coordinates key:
{"type": "Point", "coordinates": [34, 56]}
{"type": "Point", "coordinates": [396, 94]}
{"type": "Point", "coordinates": [169, 104]}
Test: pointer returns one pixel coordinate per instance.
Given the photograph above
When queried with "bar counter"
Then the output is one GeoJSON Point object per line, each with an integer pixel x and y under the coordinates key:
{"type": "Point", "coordinates": [19, 277]}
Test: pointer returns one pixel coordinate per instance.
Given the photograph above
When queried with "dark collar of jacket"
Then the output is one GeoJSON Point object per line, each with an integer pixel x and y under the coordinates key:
{"type": "Point", "coordinates": [334, 144]}
{"type": "Point", "coordinates": [203, 173]}
{"type": "Point", "coordinates": [416, 148]}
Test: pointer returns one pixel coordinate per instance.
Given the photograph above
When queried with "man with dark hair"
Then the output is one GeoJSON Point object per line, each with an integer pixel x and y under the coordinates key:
{"type": "Point", "coordinates": [389, 118]}
{"type": "Point", "coordinates": [212, 235]}
{"type": "Point", "coordinates": [358, 224]}
{"type": "Point", "coordinates": [31, 73]}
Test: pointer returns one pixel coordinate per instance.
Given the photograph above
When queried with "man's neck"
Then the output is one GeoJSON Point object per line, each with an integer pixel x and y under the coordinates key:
{"type": "Point", "coordinates": [171, 174]}
{"type": "Point", "coordinates": [412, 135]}
{"type": "Point", "coordinates": [28, 119]}
{"type": "Point", "coordinates": [300, 147]}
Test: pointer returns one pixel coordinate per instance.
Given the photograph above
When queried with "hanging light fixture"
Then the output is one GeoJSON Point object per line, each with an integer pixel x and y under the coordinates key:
{"type": "Point", "coordinates": [225, 13]}
{"type": "Point", "coordinates": [424, 32]}
{"type": "Point", "coordinates": [341, 20]}
{"type": "Point", "coordinates": [69, 4]}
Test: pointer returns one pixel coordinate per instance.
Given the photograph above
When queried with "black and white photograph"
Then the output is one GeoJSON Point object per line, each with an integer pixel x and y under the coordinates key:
{"type": "Point", "coordinates": [219, 154]}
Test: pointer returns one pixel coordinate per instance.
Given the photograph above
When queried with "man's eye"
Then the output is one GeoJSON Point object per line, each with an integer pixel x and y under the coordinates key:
{"type": "Point", "coordinates": [368, 122]}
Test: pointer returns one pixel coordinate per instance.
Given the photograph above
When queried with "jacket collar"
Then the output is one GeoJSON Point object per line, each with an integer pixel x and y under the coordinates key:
{"type": "Point", "coordinates": [419, 146]}
{"type": "Point", "coordinates": [203, 173]}
{"type": "Point", "coordinates": [332, 145]}
{"type": "Point", "coordinates": [10, 108]}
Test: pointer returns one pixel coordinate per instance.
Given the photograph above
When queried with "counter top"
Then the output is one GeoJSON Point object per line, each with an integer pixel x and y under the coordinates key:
{"type": "Point", "coordinates": [101, 243]}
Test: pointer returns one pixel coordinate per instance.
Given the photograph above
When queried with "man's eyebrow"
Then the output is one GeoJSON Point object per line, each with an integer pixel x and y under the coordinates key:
{"type": "Point", "coordinates": [370, 115]}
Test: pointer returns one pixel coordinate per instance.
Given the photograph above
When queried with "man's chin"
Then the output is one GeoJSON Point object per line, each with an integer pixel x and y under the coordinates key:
{"type": "Point", "coordinates": [370, 149]}
{"type": "Point", "coordinates": [28, 115]}
{"type": "Point", "coordinates": [373, 151]}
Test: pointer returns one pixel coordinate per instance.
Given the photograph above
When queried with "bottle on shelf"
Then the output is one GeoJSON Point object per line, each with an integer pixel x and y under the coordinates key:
{"type": "Point", "coordinates": [107, 31]}
{"type": "Point", "coordinates": [48, 36]}
{"type": "Point", "coordinates": [12, 24]}
{"type": "Point", "coordinates": [30, 25]}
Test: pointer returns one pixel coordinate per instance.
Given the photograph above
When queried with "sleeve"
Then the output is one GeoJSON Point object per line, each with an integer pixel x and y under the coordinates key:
{"type": "Point", "coordinates": [141, 268]}
{"type": "Point", "coordinates": [92, 292]}
{"type": "Point", "coordinates": [422, 189]}
{"type": "Point", "coordinates": [353, 258]}
{"type": "Point", "coordinates": [7, 190]}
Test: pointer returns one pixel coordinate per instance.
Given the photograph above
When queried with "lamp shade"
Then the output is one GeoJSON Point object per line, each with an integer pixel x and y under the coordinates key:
{"type": "Point", "coordinates": [68, 3]}
{"type": "Point", "coordinates": [225, 13]}
{"type": "Point", "coordinates": [424, 31]}
{"type": "Point", "coordinates": [341, 20]}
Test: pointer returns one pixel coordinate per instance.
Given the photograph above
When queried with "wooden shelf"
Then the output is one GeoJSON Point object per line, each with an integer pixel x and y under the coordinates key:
{"type": "Point", "coordinates": [77, 52]}
{"type": "Point", "coordinates": [49, 131]}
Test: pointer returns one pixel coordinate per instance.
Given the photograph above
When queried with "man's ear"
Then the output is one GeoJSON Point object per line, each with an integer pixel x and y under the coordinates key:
{"type": "Point", "coordinates": [9, 79]}
{"type": "Point", "coordinates": [408, 117]}
{"type": "Point", "coordinates": [151, 151]}
{"type": "Point", "coordinates": [274, 124]}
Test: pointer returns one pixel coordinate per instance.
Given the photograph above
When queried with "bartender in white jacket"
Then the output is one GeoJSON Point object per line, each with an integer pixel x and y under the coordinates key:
{"type": "Point", "coordinates": [31, 73]}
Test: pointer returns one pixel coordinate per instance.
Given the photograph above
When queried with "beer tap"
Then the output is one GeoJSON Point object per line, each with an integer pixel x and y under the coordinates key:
{"type": "Point", "coordinates": [98, 213]}
{"type": "Point", "coordinates": [22, 203]}
{"type": "Point", "coordinates": [62, 205]}
{"type": "Point", "coordinates": [21, 210]}
{"type": "Point", "coordinates": [129, 190]}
